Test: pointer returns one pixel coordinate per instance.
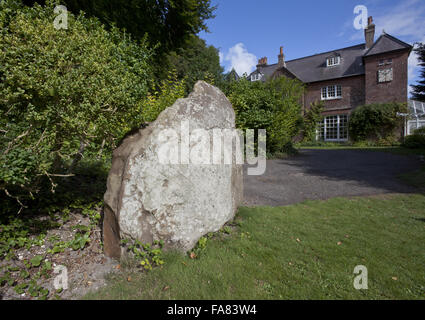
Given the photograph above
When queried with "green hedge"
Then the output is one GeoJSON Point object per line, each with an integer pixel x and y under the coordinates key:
{"type": "Point", "coordinates": [62, 92]}
{"type": "Point", "coordinates": [416, 140]}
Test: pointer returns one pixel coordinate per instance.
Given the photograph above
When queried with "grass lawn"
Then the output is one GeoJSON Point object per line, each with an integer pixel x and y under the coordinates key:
{"type": "Point", "coordinates": [415, 178]}
{"type": "Point", "coordinates": [303, 251]}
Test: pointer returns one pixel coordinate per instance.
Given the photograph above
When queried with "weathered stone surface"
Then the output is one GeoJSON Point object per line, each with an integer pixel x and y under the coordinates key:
{"type": "Point", "coordinates": [149, 200]}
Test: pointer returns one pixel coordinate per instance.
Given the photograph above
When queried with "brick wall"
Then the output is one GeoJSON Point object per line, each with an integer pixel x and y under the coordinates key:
{"type": "Point", "coordinates": [394, 91]}
{"type": "Point", "coordinates": [353, 94]}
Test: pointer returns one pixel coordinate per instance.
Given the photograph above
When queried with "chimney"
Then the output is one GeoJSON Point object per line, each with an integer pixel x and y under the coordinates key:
{"type": "Point", "coordinates": [262, 62]}
{"type": "Point", "coordinates": [281, 58]}
{"type": "Point", "coordinates": [369, 33]}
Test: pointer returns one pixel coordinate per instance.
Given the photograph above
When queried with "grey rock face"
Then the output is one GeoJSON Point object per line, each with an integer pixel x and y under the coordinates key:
{"type": "Point", "coordinates": [178, 202]}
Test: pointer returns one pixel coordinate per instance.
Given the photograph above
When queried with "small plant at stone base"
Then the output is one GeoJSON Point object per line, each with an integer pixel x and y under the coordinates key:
{"type": "Point", "coordinates": [147, 255]}
{"type": "Point", "coordinates": [199, 248]}
{"type": "Point", "coordinates": [226, 229]}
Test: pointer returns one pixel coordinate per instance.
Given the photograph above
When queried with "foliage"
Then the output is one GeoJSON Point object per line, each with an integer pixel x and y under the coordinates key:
{"type": "Point", "coordinates": [196, 61]}
{"type": "Point", "coordinates": [418, 92]}
{"type": "Point", "coordinates": [311, 119]}
{"type": "Point", "coordinates": [25, 232]}
{"type": "Point", "coordinates": [273, 105]}
{"type": "Point", "coordinates": [168, 23]}
{"type": "Point", "coordinates": [147, 255]}
{"type": "Point", "coordinates": [416, 140]}
{"type": "Point", "coordinates": [62, 92]}
{"type": "Point", "coordinates": [168, 92]}
{"type": "Point", "coordinates": [376, 122]}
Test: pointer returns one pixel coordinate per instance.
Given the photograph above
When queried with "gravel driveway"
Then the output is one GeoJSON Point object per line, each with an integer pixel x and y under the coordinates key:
{"type": "Point", "coordinates": [323, 174]}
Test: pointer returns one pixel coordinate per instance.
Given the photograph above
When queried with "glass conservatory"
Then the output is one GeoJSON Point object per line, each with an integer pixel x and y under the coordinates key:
{"type": "Point", "coordinates": [416, 117]}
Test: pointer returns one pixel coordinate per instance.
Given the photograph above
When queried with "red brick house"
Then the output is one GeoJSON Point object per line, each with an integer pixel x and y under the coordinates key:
{"type": "Point", "coordinates": [375, 71]}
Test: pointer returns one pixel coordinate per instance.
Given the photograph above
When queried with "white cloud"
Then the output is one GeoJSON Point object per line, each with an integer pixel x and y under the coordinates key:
{"type": "Point", "coordinates": [406, 21]}
{"type": "Point", "coordinates": [413, 67]}
{"type": "Point", "coordinates": [240, 59]}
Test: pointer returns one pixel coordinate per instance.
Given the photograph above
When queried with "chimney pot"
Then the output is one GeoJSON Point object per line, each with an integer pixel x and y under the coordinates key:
{"type": "Point", "coordinates": [262, 62]}
{"type": "Point", "coordinates": [281, 58]}
{"type": "Point", "coordinates": [369, 33]}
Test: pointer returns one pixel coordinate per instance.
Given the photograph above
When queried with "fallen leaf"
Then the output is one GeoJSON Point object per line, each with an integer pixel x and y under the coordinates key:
{"type": "Point", "coordinates": [118, 267]}
{"type": "Point", "coordinates": [129, 279]}
{"type": "Point", "coordinates": [339, 243]}
{"type": "Point", "coordinates": [165, 288]}
{"type": "Point", "coordinates": [394, 278]}
{"type": "Point", "coordinates": [192, 255]}
{"type": "Point", "coordinates": [298, 240]}
{"type": "Point", "coordinates": [290, 263]}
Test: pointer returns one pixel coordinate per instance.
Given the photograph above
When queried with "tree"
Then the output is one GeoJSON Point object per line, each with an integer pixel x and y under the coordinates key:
{"type": "Point", "coordinates": [196, 61]}
{"type": "Point", "coordinates": [273, 105]}
{"type": "Point", "coordinates": [63, 92]}
{"type": "Point", "coordinates": [168, 23]}
{"type": "Point", "coordinates": [418, 92]}
{"type": "Point", "coordinates": [312, 117]}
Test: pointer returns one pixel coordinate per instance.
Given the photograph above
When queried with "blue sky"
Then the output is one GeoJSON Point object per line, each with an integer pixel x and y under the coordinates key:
{"type": "Point", "coordinates": [246, 30]}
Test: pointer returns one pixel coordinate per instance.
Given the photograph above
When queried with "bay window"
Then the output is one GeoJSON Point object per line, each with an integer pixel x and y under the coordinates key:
{"type": "Point", "coordinates": [333, 128]}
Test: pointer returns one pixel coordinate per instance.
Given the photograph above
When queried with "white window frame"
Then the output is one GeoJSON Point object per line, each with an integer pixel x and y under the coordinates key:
{"type": "Point", "coordinates": [333, 61]}
{"type": "Point", "coordinates": [336, 89]}
{"type": "Point", "coordinates": [338, 128]}
{"type": "Point", "coordinates": [386, 79]}
{"type": "Point", "coordinates": [256, 77]}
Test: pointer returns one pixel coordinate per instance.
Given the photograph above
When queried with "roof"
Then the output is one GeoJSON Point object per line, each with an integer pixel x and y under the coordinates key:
{"type": "Point", "coordinates": [313, 68]}
{"type": "Point", "coordinates": [387, 43]}
{"type": "Point", "coordinates": [232, 75]}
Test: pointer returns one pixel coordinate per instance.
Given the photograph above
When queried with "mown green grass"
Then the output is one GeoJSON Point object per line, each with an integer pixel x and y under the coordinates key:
{"type": "Point", "coordinates": [303, 251]}
{"type": "Point", "coordinates": [415, 178]}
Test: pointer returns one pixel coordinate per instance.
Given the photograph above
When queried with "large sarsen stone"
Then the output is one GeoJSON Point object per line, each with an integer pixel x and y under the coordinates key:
{"type": "Point", "coordinates": [183, 199]}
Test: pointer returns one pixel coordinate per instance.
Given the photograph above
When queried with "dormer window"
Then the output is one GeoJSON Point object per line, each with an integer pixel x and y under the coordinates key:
{"type": "Point", "coordinates": [256, 76]}
{"type": "Point", "coordinates": [333, 61]}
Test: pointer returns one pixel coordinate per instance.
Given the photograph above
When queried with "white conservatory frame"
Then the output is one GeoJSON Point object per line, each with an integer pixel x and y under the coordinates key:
{"type": "Point", "coordinates": [416, 117]}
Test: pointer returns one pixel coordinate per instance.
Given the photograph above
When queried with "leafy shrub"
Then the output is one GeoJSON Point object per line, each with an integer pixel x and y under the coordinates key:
{"type": "Point", "coordinates": [274, 106]}
{"type": "Point", "coordinates": [168, 92]}
{"type": "Point", "coordinates": [416, 140]}
{"type": "Point", "coordinates": [62, 92]}
{"type": "Point", "coordinates": [311, 118]}
{"type": "Point", "coordinates": [376, 122]}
